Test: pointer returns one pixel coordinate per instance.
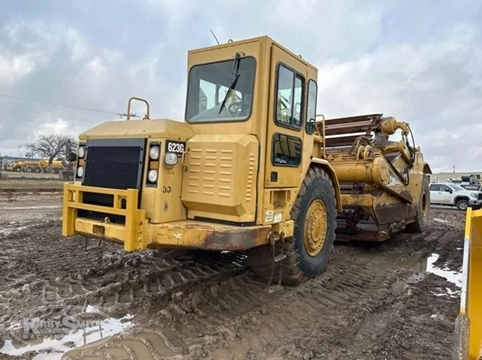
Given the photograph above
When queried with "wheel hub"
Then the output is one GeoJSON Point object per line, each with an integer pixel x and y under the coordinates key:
{"type": "Point", "coordinates": [315, 227]}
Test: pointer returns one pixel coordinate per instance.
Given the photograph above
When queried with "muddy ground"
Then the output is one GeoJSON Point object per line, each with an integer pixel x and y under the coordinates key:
{"type": "Point", "coordinates": [374, 301]}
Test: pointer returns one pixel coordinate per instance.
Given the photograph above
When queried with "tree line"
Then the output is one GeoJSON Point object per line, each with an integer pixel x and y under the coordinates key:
{"type": "Point", "coordinates": [52, 147]}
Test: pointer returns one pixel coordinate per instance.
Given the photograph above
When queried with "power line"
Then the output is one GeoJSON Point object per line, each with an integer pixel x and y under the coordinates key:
{"type": "Point", "coordinates": [67, 106]}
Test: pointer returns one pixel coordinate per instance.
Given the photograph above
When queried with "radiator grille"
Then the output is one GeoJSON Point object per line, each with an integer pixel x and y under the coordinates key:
{"type": "Point", "coordinates": [115, 167]}
{"type": "Point", "coordinates": [112, 167]}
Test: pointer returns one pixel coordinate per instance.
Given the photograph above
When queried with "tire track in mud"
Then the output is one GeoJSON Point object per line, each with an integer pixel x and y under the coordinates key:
{"type": "Point", "coordinates": [41, 269]}
{"type": "Point", "coordinates": [238, 316]}
{"type": "Point", "coordinates": [420, 327]}
{"type": "Point", "coordinates": [364, 306]}
{"type": "Point", "coordinates": [204, 308]}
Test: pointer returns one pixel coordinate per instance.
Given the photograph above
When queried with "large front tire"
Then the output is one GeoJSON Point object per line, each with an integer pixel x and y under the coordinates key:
{"type": "Point", "coordinates": [308, 251]}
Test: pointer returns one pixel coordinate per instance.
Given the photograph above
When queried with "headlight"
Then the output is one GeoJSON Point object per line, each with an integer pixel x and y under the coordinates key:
{"type": "Point", "coordinates": [80, 171]}
{"type": "Point", "coordinates": [154, 152]}
{"type": "Point", "coordinates": [170, 159]}
{"type": "Point", "coordinates": [81, 151]}
{"type": "Point", "coordinates": [473, 195]}
{"type": "Point", "coordinates": [152, 176]}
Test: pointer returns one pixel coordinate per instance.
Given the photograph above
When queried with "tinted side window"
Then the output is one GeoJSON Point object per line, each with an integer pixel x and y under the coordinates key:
{"type": "Point", "coordinates": [311, 107]}
{"type": "Point", "coordinates": [286, 150]}
{"type": "Point", "coordinates": [289, 98]}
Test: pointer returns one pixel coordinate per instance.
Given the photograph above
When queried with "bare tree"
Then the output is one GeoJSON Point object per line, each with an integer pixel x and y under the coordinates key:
{"type": "Point", "coordinates": [53, 147]}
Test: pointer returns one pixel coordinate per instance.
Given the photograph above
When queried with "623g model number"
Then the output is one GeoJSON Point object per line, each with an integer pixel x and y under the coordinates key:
{"type": "Point", "coordinates": [176, 147]}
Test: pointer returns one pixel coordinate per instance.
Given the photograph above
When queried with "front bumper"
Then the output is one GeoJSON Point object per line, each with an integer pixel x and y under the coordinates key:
{"type": "Point", "coordinates": [138, 234]}
{"type": "Point", "coordinates": [475, 203]}
{"type": "Point", "coordinates": [132, 233]}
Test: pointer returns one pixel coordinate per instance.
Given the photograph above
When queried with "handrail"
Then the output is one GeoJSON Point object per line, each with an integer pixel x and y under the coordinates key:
{"type": "Point", "coordinates": [323, 135]}
{"type": "Point", "coordinates": [146, 116]}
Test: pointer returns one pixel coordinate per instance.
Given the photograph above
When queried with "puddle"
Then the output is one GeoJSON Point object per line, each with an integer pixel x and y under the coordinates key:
{"type": "Point", "coordinates": [452, 276]}
{"type": "Point", "coordinates": [426, 265]}
{"type": "Point", "coordinates": [52, 347]}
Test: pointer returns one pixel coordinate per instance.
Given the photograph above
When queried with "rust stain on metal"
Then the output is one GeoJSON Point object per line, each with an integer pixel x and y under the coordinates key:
{"type": "Point", "coordinates": [237, 239]}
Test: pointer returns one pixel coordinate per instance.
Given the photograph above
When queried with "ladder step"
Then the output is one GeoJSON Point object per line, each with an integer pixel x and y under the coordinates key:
{"type": "Point", "coordinates": [279, 258]}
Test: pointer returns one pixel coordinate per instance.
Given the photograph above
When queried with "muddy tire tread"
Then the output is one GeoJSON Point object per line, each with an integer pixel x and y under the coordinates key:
{"type": "Point", "coordinates": [418, 226]}
{"type": "Point", "coordinates": [292, 273]}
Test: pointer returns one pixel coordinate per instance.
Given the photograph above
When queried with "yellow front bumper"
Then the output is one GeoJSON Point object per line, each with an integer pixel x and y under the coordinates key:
{"type": "Point", "coordinates": [131, 234]}
{"type": "Point", "coordinates": [137, 233]}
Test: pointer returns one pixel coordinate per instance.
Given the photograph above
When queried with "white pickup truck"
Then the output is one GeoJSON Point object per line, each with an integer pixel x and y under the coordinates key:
{"type": "Point", "coordinates": [454, 195]}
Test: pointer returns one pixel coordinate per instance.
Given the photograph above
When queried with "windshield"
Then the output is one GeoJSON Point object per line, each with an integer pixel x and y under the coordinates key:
{"type": "Point", "coordinates": [457, 187]}
{"type": "Point", "coordinates": [208, 84]}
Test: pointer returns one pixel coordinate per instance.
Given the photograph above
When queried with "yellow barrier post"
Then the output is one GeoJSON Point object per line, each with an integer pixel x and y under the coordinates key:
{"type": "Point", "coordinates": [131, 221]}
{"type": "Point", "coordinates": [474, 289]}
{"type": "Point", "coordinates": [68, 213]}
{"type": "Point", "coordinates": [468, 326]}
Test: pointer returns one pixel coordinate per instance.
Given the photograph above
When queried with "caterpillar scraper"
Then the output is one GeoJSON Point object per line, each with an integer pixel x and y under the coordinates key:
{"type": "Point", "coordinates": [468, 325]}
{"type": "Point", "coordinates": [249, 168]}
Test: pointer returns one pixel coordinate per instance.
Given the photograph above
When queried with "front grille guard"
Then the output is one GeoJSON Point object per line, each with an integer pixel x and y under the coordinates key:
{"type": "Point", "coordinates": [134, 217]}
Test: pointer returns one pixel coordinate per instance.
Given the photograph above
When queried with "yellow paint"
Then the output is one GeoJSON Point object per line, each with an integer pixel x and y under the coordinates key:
{"type": "Point", "coordinates": [226, 171]}
{"type": "Point", "coordinates": [473, 271]}
{"type": "Point", "coordinates": [325, 165]}
{"type": "Point", "coordinates": [155, 128]}
{"type": "Point", "coordinates": [180, 234]}
{"type": "Point", "coordinates": [138, 233]}
{"type": "Point", "coordinates": [315, 227]}
{"type": "Point", "coordinates": [371, 168]}
{"type": "Point", "coordinates": [133, 232]}
{"type": "Point", "coordinates": [220, 176]}
{"type": "Point", "coordinates": [361, 170]}
{"type": "Point", "coordinates": [162, 203]}
{"type": "Point", "coordinates": [217, 201]}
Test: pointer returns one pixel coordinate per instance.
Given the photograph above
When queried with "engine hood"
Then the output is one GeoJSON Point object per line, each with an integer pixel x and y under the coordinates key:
{"type": "Point", "coordinates": [158, 128]}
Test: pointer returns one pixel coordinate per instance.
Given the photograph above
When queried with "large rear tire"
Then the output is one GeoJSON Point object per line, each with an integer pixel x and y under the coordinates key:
{"type": "Point", "coordinates": [308, 251]}
{"type": "Point", "coordinates": [423, 211]}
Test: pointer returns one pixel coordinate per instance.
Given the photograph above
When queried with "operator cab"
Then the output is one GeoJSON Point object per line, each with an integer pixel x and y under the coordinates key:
{"type": "Point", "coordinates": [251, 105]}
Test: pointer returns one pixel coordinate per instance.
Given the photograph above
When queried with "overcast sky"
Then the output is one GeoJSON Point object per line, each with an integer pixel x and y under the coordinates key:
{"type": "Point", "coordinates": [419, 61]}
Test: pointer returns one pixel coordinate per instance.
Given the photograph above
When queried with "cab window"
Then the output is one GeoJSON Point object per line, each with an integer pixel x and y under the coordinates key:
{"type": "Point", "coordinates": [221, 91]}
{"type": "Point", "coordinates": [289, 98]}
{"type": "Point", "coordinates": [435, 187]}
{"type": "Point", "coordinates": [310, 119]}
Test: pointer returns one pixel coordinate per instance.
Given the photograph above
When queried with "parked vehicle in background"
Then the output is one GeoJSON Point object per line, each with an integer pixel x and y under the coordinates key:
{"type": "Point", "coordinates": [454, 195]}
{"type": "Point", "coordinates": [468, 182]}
{"type": "Point", "coordinates": [36, 166]}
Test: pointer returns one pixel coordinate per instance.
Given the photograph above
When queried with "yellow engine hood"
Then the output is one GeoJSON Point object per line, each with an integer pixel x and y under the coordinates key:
{"type": "Point", "coordinates": [139, 129]}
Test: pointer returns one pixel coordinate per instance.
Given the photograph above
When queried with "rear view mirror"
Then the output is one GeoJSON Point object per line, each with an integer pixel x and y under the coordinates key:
{"type": "Point", "coordinates": [449, 190]}
{"type": "Point", "coordinates": [72, 156]}
{"type": "Point", "coordinates": [310, 126]}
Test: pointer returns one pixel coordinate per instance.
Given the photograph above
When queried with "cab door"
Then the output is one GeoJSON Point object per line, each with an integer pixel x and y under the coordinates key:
{"type": "Point", "coordinates": [285, 120]}
{"type": "Point", "coordinates": [446, 195]}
